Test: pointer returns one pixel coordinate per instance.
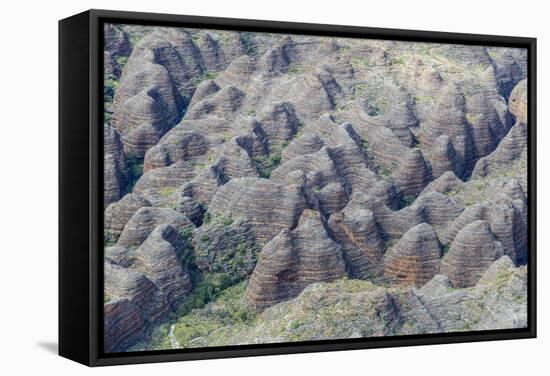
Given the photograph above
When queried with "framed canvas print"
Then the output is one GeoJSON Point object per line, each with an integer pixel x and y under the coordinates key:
{"type": "Point", "coordinates": [239, 187]}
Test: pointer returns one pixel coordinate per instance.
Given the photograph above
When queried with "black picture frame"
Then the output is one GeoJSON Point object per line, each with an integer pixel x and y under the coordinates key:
{"type": "Point", "coordinates": [81, 186]}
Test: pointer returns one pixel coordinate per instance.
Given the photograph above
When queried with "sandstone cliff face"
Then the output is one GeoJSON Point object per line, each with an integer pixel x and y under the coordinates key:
{"type": "Point", "coordinates": [505, 212]}
{"type": "Point", "coordinates": [143, 285]}
{"type": "Point", "coordinates": [361, 309]}
{"type": "Point", "coordinates": [415, 258]}
{"type": "Point", "coordinates": [226, 246]}
{"type": "Point", "coordinates": [123, 326]}
{"type": "Point", "coordinates": [119, 213]}
{"type": "Point", "coordinates": [115, 173]}
{"type": "Point", "coordinates": [115, 54]}
{"type": "Point", "coordinates": [473, 250]}
{"type": "Point", "coordinates": [517, 102]}
{"type": "Point", "coordinates": [268, 206]}
{"type": "Point", "coordinates": [144, 221]}
{"type": "Point", "coordinates": [512, 148]}
{"type": "Point", "coordinates": [294, 259]}
{"type": "Point", "coordinates": [293, 161]}
{"type": "Point", "coordinates": [128, 283]}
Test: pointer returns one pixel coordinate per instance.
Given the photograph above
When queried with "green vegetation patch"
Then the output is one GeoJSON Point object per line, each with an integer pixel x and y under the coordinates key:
{"type": "Point", "coordinates": [186, 233]}
{"type": "Point", "coordinates": [223, 38]}
{"type": "Point", "coordinates": [167, 191]}
{"type": "Point", "coordinates": [222, 246]}
{"type": "Point", "coordinates": [134, 38]}
{"type": "Point", "coordinates": [135, 170]}
{"type": "Point", "coordinates": [247, 40]}
{"type": "Point", "coordinates": [296, 69]}
{"type": "Point", "coordinates": [121, 61]}
{"type": "Point", "coordinates": [266, 164]}
{"type": "Point", "coordinates": [225, 308]}
{"type": "Point", "coordinates": [385, 173]}
{"type": "Point", "coordinates": [359, 90]}
{"type": "Point", "coordinates": [362, 62]}
{"type": "Point", "coordinates": [207, 287]}
{"type": "Point", "coordinates": [398, 61]}
{"type": "Point", "coordinates": [423, 99]}
{"type": "Point", "coordinates": [364, 144]}
{"type": "Point", "coordinates": [108, 240]}
{"type": "Point", "coordinates": [203, 77]}
{"type": "Point", "coordinates": [405, 200]}
{"type": "Point", "coordinates": [109, 87]}
{"type": "Point", "coordinates": [471, 118]}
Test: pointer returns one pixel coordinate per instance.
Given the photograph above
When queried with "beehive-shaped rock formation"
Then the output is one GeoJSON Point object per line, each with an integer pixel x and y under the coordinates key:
{"type": "Point", "coordinates": [119, 213]}
{"type": "Point", "coordinates": [473, 250]}
{"type": "Point", "coordinates": [293, 260]}
{"type": "Point", "coordinates": [268, 206]}
{"type": "Point", "coordinates": [416, 256]}
{"type": "Point", "coordinates": [146, 219]}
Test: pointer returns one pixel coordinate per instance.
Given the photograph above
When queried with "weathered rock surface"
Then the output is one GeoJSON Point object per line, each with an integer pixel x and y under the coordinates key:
{"type": "Point", "coordinates": [161, 184]}
{"type": "Point", "coordinates": [223, 104]}
{"type": "Point", "coordinates": [512, 147]}
{"type": "Point", "coordinates": [432, 207]}
{"type": "Point", "coordinates": [267, 206]}
{"type": "Point", "coordinates": [498, 300]}
{"type": "Point", "coordinates": [443, 157]}
{"type": "Point", "coordinates": [444, 184]}
{"type": "Point", "coordinates": [163, 256]}
{"type": "Point", "coordinates": [517, 103]}
{"type": "Point", "coordinates": [307, 143]}
{"type": "Point", "coordinates": [119, 213]}
{"type": "Point", "coordinates": [293, 260]}
{"type": "Point", "coordinates": [143, 285]}
{"type": "Point", "coordinates": [147, 103]}
{"type": "Point", "coordinates": [191, 209]}
{"type": "Point", "coordinates": [357, 231]}
{"type": "Point", "coordinates": [412, 173]}
{"type": "Point", "coordinates": [506, 216]}
{"type": "Point", "coordinates": [123, 326]}
{"type": "Point", "coordinates": [181, 143]}
{"type": "Point", "coordinates": [360, 309]}
{"type": "Point", "coordinates": [226, 246]}
{"type": "Point", "coordinates": [116, 41]}
{"type": "Point", "coordinates": [473, 250]}
{"type": "Point", "coordinates": [510, 67]}
{"type": "Point", "coordinates": [114, 166]}
{"type": "Point", "coordinates": [144, 221]}
{"type": "Point", "coordinates": [416, 256]}
{"type": "Point", "coordinates": [143, 294]}
{"type": "Point", "coordinates": [116, 45]}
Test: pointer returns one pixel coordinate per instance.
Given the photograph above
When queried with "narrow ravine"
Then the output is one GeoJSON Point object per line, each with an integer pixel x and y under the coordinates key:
{"type": "Point", "coordinates": [173, 341]}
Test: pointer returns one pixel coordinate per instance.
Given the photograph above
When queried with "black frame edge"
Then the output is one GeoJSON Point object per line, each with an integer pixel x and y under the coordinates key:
{"type": "Point", "coordinates": [74, 114]}
{"type": "Point", "coordinates": [532, 185]}
{"type": "Point", "coordinates": [95, 149]}
{"type": "Point", "coordinates": [166, 19]}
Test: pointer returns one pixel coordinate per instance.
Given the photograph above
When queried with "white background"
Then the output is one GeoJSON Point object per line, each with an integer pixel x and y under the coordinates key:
{"type": "Point", "coordinates": [28, 186]}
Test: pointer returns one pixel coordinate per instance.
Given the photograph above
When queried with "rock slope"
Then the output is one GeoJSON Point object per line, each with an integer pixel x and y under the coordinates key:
{"type": "Point", "coordinates": [354, 309]}
{"type": "Point", "coordinates": [144, 284]}
{"type": "Point", "coordinates": [416, 256]}
{"type": "Point", "coordinates": [293, 260]}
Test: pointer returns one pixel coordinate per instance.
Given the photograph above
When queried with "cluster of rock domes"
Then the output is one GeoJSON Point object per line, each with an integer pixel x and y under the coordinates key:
{"type": "Point", "coordinates": [292, 160]}
{"type": "Point", "coordinates": [353, 308]}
